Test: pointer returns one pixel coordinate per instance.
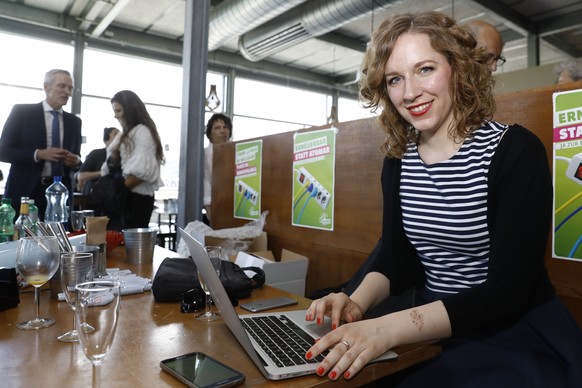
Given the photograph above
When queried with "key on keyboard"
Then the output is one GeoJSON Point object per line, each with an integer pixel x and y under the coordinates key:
{"type": "Point", "coordinates": [284, 341]}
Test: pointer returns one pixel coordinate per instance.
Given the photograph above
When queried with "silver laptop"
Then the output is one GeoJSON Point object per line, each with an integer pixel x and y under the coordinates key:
{"type": "Point", "coordinates": [274, 363]}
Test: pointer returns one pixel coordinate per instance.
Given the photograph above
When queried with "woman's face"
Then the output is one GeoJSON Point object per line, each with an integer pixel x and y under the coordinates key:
{"type": "Point", "coordinates": [219, 132]}
{"type": "Point", "coordinates": [417, 83]}
{"type": "Point", "coordinates": [117, 112]}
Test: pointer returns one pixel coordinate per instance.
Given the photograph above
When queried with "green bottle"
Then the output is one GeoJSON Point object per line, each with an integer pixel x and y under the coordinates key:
{"type": "Point", "coordinates": [33, 215]}
{"type": "Point", "coordinates": [7, 215]}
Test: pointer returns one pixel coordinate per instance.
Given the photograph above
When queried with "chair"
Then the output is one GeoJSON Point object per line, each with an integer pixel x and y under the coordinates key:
{"type": "Point", "coordinates": [167, 229]}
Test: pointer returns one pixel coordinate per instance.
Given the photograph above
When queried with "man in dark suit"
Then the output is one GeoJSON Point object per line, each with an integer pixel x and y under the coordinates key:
{"type": "Point", "coordinates": [28, 144]}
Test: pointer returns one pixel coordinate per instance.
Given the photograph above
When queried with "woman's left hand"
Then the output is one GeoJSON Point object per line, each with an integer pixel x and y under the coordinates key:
{"type": "Point", "coordinates": [352, 346]}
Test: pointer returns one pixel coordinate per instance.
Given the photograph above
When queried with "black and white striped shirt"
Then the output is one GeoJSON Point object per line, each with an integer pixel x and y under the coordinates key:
{"type": "Point", "coordinates": [444, 210]}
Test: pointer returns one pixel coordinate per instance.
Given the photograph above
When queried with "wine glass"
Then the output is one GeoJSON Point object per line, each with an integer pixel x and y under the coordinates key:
{"type": "Point", "coordinates": [214, 253]}
{"type": "Point", "coordinates": [76, 267]}
{"type": "Point", "coordinates": [97, 311]}
{"type": "Point", "coordinates": [37, 260]}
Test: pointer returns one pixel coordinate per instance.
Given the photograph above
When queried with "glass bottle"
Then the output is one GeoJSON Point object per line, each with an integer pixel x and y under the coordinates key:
{"type": "Point", "coordinates": [23, 220]}
{"type": "Point", "coordinates": [33, 214]}
{"type": "Point", "coordinates": [7, 214]}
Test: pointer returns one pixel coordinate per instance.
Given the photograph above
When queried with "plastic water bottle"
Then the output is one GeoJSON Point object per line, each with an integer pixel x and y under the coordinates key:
{"type": "Point", "coordinates": [57, 195]}
{"type": "Point", "coordinates": [7, 214]}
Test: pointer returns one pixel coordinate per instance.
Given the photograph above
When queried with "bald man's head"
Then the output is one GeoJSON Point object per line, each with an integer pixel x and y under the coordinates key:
{"type": "Point", "coordinates": [489, 38]}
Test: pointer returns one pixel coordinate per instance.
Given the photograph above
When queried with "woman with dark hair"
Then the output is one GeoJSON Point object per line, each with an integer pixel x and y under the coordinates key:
{"type": "Point", "coordinates": [218, 130]}
{"type": "Point", "coordinates": [138, 152]}
{"type": "Point", "coordinates": [90, 170]}
{"type": "Point", "coordinates": [463, 237]}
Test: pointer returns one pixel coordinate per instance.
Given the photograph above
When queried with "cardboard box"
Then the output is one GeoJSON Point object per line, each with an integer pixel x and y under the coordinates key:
{"type": "Point", "coordinates": [288, 273]}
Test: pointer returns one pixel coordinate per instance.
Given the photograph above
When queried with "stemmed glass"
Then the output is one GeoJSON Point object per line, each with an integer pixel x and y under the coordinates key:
{"type": "Point", "coordinates": [37, 260]}
{"type": "Point", "coordinates": [214, 253]}
{"type": "Point", "coordinates": [76, 267]}
{"type": "Point", "coordinates": [97, 311]}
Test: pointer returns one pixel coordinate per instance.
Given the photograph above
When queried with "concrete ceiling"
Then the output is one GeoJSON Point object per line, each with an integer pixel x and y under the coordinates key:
{"type": "Point", "coordinates": [332, 52]}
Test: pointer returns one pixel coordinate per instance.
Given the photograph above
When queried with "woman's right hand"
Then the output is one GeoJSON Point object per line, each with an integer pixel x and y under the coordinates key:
{"type": "Point", "coordinates": [338, 306]}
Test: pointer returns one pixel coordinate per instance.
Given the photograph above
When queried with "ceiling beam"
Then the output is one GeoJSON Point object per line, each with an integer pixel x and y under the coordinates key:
{"type": "Point", "coordinates": [559, 24]}
{"type": "Point", "coordinates": [567, 48]}
{"type": "Point", "coordinates": [109, 18]}
{"type": "Point", "coordinates": [507, 13]}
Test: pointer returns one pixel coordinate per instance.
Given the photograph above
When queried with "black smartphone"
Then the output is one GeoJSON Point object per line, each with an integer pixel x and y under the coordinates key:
{"type": "Point", "coordinates": [201, 371]}
{"type": "Point", "coordinates": [267, 304]}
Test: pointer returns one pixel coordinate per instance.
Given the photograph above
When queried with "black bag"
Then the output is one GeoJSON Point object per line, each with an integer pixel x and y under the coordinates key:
{"type": "Point", "coordinates": [108, 192]}
{"type": "Point", "coordinates": [8, 289]}
{"type": "Point", "coordinates": [108, 197]}
{"type": "Point", "coordinates": [177, 275]}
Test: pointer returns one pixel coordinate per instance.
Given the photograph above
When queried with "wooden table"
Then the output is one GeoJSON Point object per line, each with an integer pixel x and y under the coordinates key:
{"type": "Point", "coordinates": [147, 332]}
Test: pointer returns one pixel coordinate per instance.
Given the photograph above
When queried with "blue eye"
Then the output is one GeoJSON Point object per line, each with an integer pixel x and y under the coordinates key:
{"type": "Point", "coordinates": [393, 81]}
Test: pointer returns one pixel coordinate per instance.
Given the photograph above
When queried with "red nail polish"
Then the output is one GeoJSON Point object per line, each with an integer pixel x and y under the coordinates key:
{"type": "Point", "coordinates": [347, 375]}
{"type": "Point", "coordinates": [332, 375]}
{"type": "Point", "coordinates": [319, 321]}
{"type": "Point", "coordinates": [308, 355]}
{"type": "Point", "coordinates": [308, 317]}
{"type": "Point", "coordinates": [334, 326]}
{"type": "Point", "coordinates": [320, 371]}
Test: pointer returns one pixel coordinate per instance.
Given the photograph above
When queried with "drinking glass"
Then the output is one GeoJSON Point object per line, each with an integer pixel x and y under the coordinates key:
{"type": "Point", "coordinates": [76, 267]}
{"type": "Point", "coordinates": [77, 220]}
{"type": "Point", "coordinates": [97, 311]}
{"type": "Point", "coordinates": [37, 260]}
{"type": "Point", "coordinates": [214, 253]}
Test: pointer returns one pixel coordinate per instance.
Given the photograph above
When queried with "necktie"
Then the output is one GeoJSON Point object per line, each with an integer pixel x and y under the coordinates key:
{"type": "Point", "coordinates": [57, 167]}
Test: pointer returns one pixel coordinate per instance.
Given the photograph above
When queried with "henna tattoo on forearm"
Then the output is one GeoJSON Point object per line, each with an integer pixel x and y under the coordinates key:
{"type": "Point", "coordinates": [417, 319]}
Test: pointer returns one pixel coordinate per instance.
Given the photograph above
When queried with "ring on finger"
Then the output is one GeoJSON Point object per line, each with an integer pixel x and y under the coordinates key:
{"type": "Point", "coordinates": [347, 345]}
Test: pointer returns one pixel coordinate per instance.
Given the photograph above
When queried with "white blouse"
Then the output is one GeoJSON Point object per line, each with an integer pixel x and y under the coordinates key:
{"type": "Point", "coordinates": [138, 158]}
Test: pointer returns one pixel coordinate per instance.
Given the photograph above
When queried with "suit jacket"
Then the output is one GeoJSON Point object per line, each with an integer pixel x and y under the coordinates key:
{"type": "Point", "coordinates": [23, 133]}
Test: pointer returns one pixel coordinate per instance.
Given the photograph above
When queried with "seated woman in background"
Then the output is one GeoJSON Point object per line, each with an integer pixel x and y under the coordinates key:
{"type": "Point", "coordinates": [139, 153]}
{"type": "Point", "coordinates": [569, 71]}
{"type": "Point", "coordinates": [218, 130]}
{"type": "Point", "coordinates": [463, 237]}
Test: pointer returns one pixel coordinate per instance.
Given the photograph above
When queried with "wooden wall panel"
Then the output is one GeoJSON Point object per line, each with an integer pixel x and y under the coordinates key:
{"type": "Point", "coordinates": [335, 256]}
{"type": "Point", "coordinates": [533, 110]}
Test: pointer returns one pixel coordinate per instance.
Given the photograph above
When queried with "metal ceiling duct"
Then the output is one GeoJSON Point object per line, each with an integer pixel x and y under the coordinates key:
{"type": "Point", "coordinates": [314, 18]}
{"type": "Point", "coordinates": [233, 18]}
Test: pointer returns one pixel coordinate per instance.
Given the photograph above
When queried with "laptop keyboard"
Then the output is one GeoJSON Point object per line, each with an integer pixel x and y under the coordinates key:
{"type": "Point", "coordinates": [284, 341]}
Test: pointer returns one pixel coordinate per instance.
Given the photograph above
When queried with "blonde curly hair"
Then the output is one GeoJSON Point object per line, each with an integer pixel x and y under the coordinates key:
{"type": "Point", "coordinates": [471, 83]}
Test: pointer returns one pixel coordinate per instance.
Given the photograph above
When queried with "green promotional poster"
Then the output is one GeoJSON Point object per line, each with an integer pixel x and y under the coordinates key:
{"type": "Point", "coordinates": [567, 139]}
{"type": "Point", "coordinates": [313, 179]}
{"type": "Point", "coordinates": [247, 180]}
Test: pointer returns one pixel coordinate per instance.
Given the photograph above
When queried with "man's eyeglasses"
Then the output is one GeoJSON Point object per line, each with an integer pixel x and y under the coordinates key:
{"type": "Point", "coordinates": [498, 60]}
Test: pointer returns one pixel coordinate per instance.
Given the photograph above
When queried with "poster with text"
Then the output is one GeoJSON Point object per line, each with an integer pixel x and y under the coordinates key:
{"type": "Point", "coordinates": [247, 180]}
{"type": "Point", "coordinates": [313, 179]}
{"type": "Point", "coordinates": [567, 228]}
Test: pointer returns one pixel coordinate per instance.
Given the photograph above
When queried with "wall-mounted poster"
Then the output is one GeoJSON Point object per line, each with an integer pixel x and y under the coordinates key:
{"type": "Point", "coordinates": [313, 179]}
{"type": "Point", "coordinates": [567, 228]}
{"type": "Point", "coordinates": [247, 180]}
